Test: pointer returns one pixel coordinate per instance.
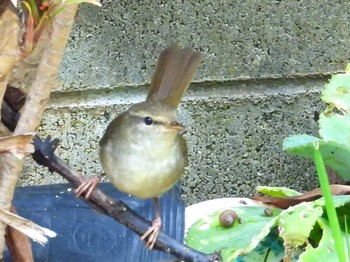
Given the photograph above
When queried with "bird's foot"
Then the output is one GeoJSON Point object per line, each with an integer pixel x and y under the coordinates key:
{"type": "Point", "coordinates": [152, 233]}
{"type": "Point", "coordinates": [87, 187]}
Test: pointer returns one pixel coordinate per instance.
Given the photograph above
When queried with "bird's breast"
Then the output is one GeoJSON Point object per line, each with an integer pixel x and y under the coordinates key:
{"type": "Point", "coordinates": [144, 168]}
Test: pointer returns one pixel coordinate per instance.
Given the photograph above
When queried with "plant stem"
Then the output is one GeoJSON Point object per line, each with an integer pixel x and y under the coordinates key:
{"type": "Point", "coordinates": [36, 101]}
{"type": "Point", "coordinates": [330, 209]}
{"type": "Point", "coordinates": [347, 243]}
{"type": "Point", "coordinates": [34, 11]}
{"type": "Point", "coordinates": [9, 45]}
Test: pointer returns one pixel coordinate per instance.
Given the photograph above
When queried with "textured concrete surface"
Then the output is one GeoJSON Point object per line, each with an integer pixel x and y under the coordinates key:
{"type": "Point", "coordinates": [118, 43]}
{"type": "Point", "coordinates": [260, 81]}
{"type": "Point", "coordinates": [235, 134]}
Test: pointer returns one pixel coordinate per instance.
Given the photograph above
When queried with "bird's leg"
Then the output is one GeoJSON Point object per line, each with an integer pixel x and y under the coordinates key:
{"type": "Point", "coordinates": [87, 187]}
{"type": "Point", "coordinates": [152, 232]}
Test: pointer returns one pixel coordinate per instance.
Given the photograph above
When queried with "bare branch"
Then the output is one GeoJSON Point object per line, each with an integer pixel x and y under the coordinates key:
{"type": "Point", "coordinates": [44, 155]}
{"type": "Point", "coordinates": [35, 104]}
{"type": "Point", "coordinates": [9, 44]}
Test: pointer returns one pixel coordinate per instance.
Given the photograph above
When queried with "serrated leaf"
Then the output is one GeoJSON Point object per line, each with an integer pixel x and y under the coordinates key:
{"type": "Point", "coordinates": [325, 249]}
{"type": "Point", "coordinates": [277, 191]}
{"type": "Point", "coordinates": [337, 92]}
{"type": "Point", "coordinates": [292, 231]}
{"type": "Point", "coordinates": [334, 155]}
{"type": "Point", "coordinates": [335, 127]}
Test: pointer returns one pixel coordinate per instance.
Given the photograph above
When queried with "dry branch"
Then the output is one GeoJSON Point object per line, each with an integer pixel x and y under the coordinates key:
{"type": "Point", "coordinates": [44, 155]}
{"type": "Point", "coordinates": [35, 104]}
{"type": "Point", "coordinates": [9, 43]}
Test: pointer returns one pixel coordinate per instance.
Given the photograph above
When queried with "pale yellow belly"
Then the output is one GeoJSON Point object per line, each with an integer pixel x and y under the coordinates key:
{"type": "Point", "coordinates": [144, 175]}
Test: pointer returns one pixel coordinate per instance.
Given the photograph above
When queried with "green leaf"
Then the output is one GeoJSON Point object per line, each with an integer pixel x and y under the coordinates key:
{"type": "Point", "coordinates": [335, 155]}
{"type": "Point", "coordinates": [277, 191]}
{"type": "Point", "coordinates": [296, 141]}
{"type": "Point", "coordinates": [294, 232]}
{"type": "Point", "coordinates": [208, 236]}
{"type": "Point", "coordinates": [255, 238]}
{"type": "Point", "coordinates": [270, 249]}
{"type": "Point", "coordinates": [339, 201]}
{"type": "Point", "coordinates": [337, 92]}
{"type": "Point", "coordinates": [335, 127]}
{"type": "Point", "coordinates": [325, 248]}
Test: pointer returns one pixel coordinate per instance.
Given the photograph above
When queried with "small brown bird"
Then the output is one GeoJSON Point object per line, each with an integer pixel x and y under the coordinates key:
{"type": "Point", "coordinates": [142, 151]}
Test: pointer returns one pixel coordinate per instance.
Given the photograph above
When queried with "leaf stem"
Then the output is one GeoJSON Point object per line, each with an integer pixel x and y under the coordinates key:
{"type": "Point", "coordinates": [330, 209]}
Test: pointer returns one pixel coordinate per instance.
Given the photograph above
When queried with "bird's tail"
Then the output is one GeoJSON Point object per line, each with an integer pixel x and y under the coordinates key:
{"type": "Point", "coordinates": [174, 72]}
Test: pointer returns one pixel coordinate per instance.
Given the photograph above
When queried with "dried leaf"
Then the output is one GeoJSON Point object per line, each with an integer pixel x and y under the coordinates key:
{"type": "Point", "coordinates": [27, 227]}
{"type": "Point", "coordinates": [18, 244]}
{"type": "Point", "coordinates": [308, 196]}
{"type": "Point", "coordinates": [14, 2]}
{"type": "Point", "coordinates": [17, 145]}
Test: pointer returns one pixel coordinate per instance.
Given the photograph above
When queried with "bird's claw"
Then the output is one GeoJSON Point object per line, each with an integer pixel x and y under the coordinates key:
{"type": "Point", "coordinates": [152, 233]}
{"type": "Point", "coordinates": [87, 187]}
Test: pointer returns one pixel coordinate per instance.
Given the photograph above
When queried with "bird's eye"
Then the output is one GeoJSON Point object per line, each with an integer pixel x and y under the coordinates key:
{"type": "Point", "coordinates": [148, 120]}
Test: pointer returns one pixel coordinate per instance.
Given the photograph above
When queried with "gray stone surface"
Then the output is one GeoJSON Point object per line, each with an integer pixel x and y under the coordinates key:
{"type": "Point", "coordinates": [118, 43]}
{"type": "Point", "coordinates": [260, 80]}
{"type": "Point", "coordinates": [235, 134]}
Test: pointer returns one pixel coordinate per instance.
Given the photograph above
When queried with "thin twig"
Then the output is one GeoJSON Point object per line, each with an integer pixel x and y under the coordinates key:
{"type": "Point", "coordinates": [44, 155]}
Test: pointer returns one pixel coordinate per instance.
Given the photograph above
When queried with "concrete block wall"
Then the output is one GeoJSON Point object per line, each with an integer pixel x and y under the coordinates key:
{"type": "Point", "coordinates": [265, 65]}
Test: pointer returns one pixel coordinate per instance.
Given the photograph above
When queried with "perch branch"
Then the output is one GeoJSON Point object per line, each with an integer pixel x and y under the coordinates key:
{"type": "Point", "coordinates": [44, 155]}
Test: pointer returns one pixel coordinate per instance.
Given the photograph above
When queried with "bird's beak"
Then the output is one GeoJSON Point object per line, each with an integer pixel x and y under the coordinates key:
{"type": "Point", "coordinates": [175, 126]}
